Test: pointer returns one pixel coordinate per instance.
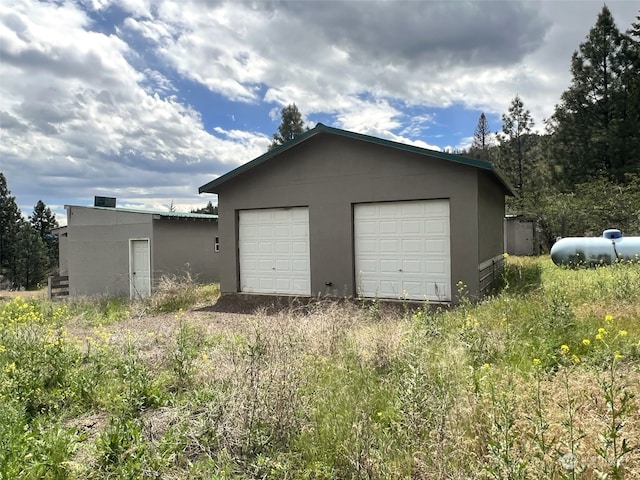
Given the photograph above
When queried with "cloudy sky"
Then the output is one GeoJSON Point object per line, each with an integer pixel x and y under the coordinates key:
{"type": "Point", "coordinates": [146, 100]}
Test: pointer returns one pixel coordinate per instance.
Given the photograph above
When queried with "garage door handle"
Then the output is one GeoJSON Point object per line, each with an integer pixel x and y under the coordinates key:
{"type": "Point", "coordinates": [399, 269]}
{"type": "Point", "coordinates": [273, 268]}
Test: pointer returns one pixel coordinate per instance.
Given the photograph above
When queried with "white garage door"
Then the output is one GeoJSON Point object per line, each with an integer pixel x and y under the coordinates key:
{"type": "Point", "coordinates": [402, 250]}
{"type": "Point", "coordinates": [274, 251]}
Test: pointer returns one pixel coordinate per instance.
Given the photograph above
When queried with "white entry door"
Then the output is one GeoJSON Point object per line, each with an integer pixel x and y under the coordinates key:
{"type": "Point", "coordinates": [139, 268]}
{"type": "Point", "coordinates": [402, 250]}
{"type": "Point", "coordinates": [273, 248]}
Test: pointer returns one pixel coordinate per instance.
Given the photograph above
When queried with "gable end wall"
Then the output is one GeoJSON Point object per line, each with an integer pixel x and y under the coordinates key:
{"type": "Point", "coordinates": [329, 175]}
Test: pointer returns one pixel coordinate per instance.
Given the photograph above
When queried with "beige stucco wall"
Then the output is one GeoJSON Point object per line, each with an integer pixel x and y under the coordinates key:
{"type": "Point", "coordinates": [491, 217]}
{"type": "Point", "coordinates": [98, 248]}
{"type": "Point", "coordinates": [329, 174]}
{"type": "Point", "coordinates": [182, 245]}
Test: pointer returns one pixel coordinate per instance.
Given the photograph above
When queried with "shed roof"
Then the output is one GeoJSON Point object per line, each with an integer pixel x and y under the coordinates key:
{"type": "Point", "coordinates": [323, 129]}
{"type": "Point", "coordinates": [150, 212]}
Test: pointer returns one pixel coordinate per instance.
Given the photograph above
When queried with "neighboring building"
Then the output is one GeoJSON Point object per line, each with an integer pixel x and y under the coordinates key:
{"type": "Point", "coordinates": [343, 214]}
{"type": "Point", "coordinates": [123, 252]}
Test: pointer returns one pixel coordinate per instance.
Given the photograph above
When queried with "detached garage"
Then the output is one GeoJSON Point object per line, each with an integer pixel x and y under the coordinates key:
{"type": "Point", "coordinates": [343, 214]}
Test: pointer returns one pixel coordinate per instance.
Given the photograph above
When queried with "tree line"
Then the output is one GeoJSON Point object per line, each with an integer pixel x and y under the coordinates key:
{"type": "Point", "coordinates": [28, 248]}
{"type": "Point", "coordinates": [583, 174]}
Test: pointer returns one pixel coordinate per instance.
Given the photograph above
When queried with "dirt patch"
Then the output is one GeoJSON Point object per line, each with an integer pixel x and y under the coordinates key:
{"type": "Point", "coordinates": [275, 304]}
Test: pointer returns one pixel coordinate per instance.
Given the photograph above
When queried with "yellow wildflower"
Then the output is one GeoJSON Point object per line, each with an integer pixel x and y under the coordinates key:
{"type": "Point", "coordinates": [599, 336]}
{"type": "Point", "coordinates": [622, 333]}
{"type": "Point", "coordinates": [536, 361]}
{"type": "Point", "coordinates": [586, 342]}
{"type": "Point", "coordinates": [608, 318]}
{"type": "Point", "coordinates": [617, 355]}
{"type": "Point", "coordinates": [564, 349]}
{"type": "Point", "coordinates": [575, 358]}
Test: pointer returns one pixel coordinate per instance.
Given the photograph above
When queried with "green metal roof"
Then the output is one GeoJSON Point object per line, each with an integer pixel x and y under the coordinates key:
{"type": "Point", "coordinates": [320, 128]}
{"type": "Point", "coordinates": [151, 212]}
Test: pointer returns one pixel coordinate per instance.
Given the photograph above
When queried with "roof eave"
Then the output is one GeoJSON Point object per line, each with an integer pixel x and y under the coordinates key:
{"type": "Point", "coordinates": [208, 188]}
{"type": "Point", "coordinates": [472, 162]}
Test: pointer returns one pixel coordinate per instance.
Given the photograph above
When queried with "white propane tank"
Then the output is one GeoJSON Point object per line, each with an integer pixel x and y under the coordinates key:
{"type": "Point", "coordinates": [591, 251]}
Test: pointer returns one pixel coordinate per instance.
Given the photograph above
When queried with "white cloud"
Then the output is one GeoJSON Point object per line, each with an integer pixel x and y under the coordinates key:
{"type": "Point", "coordinates": [88, 105]}
{"type": "Point", "coordinates": [79, 115]}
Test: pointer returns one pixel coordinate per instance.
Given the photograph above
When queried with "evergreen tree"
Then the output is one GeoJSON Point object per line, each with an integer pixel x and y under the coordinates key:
{"type": "Point", "coordinates": [290, 127]}
{"type": "Point", "coordinates": [209, 209]}
{"type": "Point", "coordinates": [31, 259]}
{"type": "Point", "coordinates": [481, 139]}
{"type": "Point", "coordinates": [634, 31]}
{"type": "Point", "coordinates": [595, 126]}
{"type": "Point", "coordinates": [43, 222]}
{"type": "Point", "coordinates": [514, 145]}
{"type": "Point", "coordinates": [10, 218]}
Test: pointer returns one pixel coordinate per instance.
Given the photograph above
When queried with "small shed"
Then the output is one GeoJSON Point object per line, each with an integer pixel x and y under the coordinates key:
{"type": "Point", "coordinates": [520, 236]}
{"type": "Point", "coordinates": [125, 252]}
{"type": "Point", "coordinates": [338, 213]}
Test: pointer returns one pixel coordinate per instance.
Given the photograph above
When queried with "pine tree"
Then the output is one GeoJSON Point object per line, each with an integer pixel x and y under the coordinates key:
{"type": "Point", "coordinates": [514, 146]}
{"type": "Point", "coordinates": [481, 139]}
{"type": "Point", "coordinates": [595, 127]}
{"type": "Point", "coordinates": [31, 260]}
{"type": "Point", "coordinates": [10, 218]}
{"type": "Point", "coordinates": [290, 127]}
{"type": "Point", "coordinates": [43, 222]}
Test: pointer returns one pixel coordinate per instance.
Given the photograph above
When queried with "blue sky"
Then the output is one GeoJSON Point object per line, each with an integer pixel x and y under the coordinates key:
{"type": "Point", "coordinates": [146, 100]}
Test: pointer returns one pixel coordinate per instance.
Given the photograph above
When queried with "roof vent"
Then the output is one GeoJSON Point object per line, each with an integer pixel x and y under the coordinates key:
{"type": "Point", "coordinates": [104, 202]}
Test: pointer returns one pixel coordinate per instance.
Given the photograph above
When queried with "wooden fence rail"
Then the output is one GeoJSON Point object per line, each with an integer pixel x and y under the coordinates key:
{"type": "Point", "coordinates": [58, 286]}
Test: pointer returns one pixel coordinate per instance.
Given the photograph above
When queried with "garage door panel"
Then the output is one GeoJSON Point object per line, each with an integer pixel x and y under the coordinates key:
{"type": "Point", "coordinates": [282, 247]}
{"type": "Point", "coordinates": [388, 210]}
{"type": "Point", "coordinates": [300, 247]}
{"type": "Point", "coordinates": [274, 251]}
{"type": "Point", "coordinates": [369, 266]}
{"type": "Point", "coordinates": [389, 265]}
{"type": "Point", "coordinates": [412, 246]}
{"type": "Point", "coordinates": [299, 266]}
{"type": "Point", "coordinates": [390, 289]}
{"type": "Point", "coordinates": [388, 245]}
{"type": "Point", "coordinates": [413, 266]}
{"type": "Point", "coordinates": [438, 226]}
{"type": "Point", "coordinates": [410, 227]}
{"type": "Point", "coordinates": [412, 289]}
{"type": "Point", "coordinates": [402, 249]}
{"type": "Point", "coordinates": [388, 227]}
{"type": "Point", "coordinates": [437, 267]}
{"type": "Point", "coordinates": [368, 228]}
{"type": "Point", "coordinates": [366, 245]}
{"type": "Point", "coordinates": [436, 246]}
